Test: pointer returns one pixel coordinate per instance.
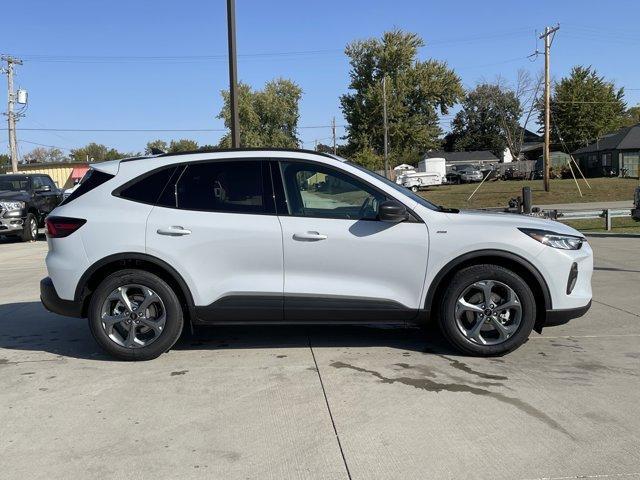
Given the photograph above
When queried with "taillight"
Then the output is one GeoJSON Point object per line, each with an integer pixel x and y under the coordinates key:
{"type": "Point", "coordinates": [59, 227]}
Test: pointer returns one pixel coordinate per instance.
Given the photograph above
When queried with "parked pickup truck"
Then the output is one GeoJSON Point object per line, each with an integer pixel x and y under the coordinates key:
{"type": "Point", "coordinates": [25, 201]}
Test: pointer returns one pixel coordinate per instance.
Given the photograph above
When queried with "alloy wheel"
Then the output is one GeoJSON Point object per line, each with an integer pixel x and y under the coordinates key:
{"type": "Point", "coordinates": [488, 312]}
{"type": "Point", "coordinates": [133, 316]}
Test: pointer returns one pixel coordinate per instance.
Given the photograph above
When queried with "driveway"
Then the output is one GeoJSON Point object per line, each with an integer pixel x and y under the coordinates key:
{"type": "Point", "coordinates": [321, 403]}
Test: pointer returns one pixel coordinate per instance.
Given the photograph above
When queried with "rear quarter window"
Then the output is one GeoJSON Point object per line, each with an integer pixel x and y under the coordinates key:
{"type": "Point", "coordinates": [150, 187]}
{"type": "Point", "coordinates": [92, 179]}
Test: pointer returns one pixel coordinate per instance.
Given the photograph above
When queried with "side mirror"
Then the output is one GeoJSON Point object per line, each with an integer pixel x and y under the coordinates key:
{"type": "Point", "coordinates": [392, 211]}
{"type": "Point", "coordinates": [44, 189]}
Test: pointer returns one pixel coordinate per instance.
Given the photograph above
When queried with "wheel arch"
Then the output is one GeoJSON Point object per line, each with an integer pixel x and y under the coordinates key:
{"type": "Point", "coordinates": [512, 261]}
{"type": "Point", "coordinates": [141, 261]}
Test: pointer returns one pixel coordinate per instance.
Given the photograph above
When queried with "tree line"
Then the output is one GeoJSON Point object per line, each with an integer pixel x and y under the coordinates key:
{"type": "Point", "coordinates": [492, 116]}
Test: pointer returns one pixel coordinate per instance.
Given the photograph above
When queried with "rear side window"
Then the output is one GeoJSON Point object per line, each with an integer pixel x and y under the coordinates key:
{"type": "Point", "coordinates": [150, 187]}
{"type": "Point", "coordinates": [92, 179]}
{"type": "Point", "coordinates": [234, 186]}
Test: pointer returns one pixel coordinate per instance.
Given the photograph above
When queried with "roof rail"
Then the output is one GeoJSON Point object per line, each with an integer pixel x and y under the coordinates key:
{"type": "Point", "coordinates": [246, 149]}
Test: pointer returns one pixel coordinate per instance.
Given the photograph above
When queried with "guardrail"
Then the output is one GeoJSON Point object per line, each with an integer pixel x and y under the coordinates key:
{"type": "Point", "coordinates": [607, 214]}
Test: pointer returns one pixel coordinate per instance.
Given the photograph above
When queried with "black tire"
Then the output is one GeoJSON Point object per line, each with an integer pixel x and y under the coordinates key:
{"type": "Point", "coordinates": [173, 310]}
{"type": "Point", "coordinates": [27, 232]}
{"type": "Point", "coordinates": [477, 273]}
{"type": "Point", "coordinates": [414, 189]}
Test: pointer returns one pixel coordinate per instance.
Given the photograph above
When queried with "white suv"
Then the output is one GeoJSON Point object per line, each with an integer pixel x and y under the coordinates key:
{"type": "Point", "coordinates": [147, 245]}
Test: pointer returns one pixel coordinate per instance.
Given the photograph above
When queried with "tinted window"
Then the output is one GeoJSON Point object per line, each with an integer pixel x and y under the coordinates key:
{"type": "Point", "coordinates": [92, 179]}
{"type": "Point", "coordinates": [48, 181]}
{"type": "Point", "coordinates": [318, 191]}
{"type": "Point", "coordinates": [14, 183]}
{"type": "Point", "coordinates": [37, 183]}
{"type": "Point", "coordinates": [223, 187]}
{"type": "Point", "coordinates": [150, 187]}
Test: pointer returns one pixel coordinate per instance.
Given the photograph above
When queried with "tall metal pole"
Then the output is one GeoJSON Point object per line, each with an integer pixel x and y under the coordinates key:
{"type": "Point", "coordinates": [333, 130]}
{"type": "Point", "coordinates": [386, 126]}
{"type": "Point", "coordinates": [11, 116]}
{"type": "Point", "coordinates": [547, 104]}
{"type": "Point", "coordinates": [233, 74]}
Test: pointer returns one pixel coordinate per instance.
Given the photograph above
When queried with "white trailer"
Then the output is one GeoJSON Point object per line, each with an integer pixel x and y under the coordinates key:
{"type": "Point", "coordinates": [417, 180]}
{"type": "Point", "coordinates": [431, 171]}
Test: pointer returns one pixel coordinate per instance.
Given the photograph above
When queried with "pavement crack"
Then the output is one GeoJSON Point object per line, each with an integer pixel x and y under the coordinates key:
{"type": "Point", "coordinates": [326, 401]}
{"type": "Point", "coordinates": [433, 386]}
{"type": "Point", "coordinates": [617, 308]}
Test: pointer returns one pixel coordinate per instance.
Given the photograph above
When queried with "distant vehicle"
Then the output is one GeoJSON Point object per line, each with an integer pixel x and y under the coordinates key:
{"type": "Point", "coordinates": [464, 174]}
{"type": "Point", "coordinates": [513, 174]}
{"type": "Point", "coordinates": [147, 246]}
{"type": "Point", "coordinates": [25, 201]}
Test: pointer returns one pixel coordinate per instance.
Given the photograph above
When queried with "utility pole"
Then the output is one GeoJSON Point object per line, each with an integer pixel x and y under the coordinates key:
{"type": "Point", "coordinates": [233, 74]}
{"type": "Point", "coordinates": [386, 126]}
{"type": "Point", "coordinates": [333, 130]}
{"type": "Point", "coordinates": [548, 35]}
{"type": "Point", "coordinates": [11, 116]}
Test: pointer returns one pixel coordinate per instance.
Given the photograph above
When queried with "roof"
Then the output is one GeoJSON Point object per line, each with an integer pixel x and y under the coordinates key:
{"type": "Point", "coordinates": [465, 157]}
{"type": "Point", "coordinates": [626, 138]}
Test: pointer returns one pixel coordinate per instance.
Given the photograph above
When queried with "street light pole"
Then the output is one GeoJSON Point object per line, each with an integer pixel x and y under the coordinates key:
{"type": "Point", "coordinates": [233, 74]}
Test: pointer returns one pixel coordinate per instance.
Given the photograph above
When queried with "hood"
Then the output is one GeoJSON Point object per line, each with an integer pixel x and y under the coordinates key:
{"type": "Point", "coordinates": [482, 217]}
{"type": "Point", "coordinates": [8, 195]}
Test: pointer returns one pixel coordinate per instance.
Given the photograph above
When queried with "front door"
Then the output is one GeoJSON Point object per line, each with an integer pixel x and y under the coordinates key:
{"type": "Point", "coordinates": [215, 222]}
{"type": "Point", "coordinates": [341, 264]}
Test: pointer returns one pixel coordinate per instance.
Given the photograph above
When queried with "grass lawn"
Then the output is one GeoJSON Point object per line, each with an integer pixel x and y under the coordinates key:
{"type": "Point", "coordinates": [618, 225]}
{"type": "Point", "coordinates": [498, 193]}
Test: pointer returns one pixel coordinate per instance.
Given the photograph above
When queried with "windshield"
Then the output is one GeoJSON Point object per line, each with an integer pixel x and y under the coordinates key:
{"type": "Point", "coordinates": [14, 183]}
{"type": "Point", "coordinates": [404, 191]}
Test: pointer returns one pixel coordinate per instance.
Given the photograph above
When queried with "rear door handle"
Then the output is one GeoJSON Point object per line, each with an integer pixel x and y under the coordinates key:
{"type": "Point", "coordinates": [174, 231]}
{"type": "Point", "coordinates": [309, 236]}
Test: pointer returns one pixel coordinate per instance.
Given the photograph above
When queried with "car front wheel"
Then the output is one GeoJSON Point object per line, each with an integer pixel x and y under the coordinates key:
{"type": "Point", "coordinates": [487, 310]}
{"type": "Point", "coordinates": [135, 315]}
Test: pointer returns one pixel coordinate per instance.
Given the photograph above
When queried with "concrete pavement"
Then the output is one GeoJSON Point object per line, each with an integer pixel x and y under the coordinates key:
{"type": "Point", "coordinates": [321, 402]}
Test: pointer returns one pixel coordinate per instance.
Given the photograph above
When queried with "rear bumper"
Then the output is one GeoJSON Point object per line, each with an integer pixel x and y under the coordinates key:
{"type": "Point", "coordinates": [52, 302]}
{"type": "Point", "coordinates": [560, 317]}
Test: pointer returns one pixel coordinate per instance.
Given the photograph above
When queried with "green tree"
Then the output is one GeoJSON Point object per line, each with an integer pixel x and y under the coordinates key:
{"type": "Point", "coordinates": [96, 152]}
{"type": "Point", "coordinates": [584, 106]}
{"type": "Point", "coordinates": [5, 162]}
{"type": "Point", "coordinates": [268, 117]}
{"type": "Point", "coordinates": [183, 145]}
{"type": "Point", "coordinates": [489, 116]}
{"type": "Point", "coordinates": [156, 145]}
{"type": "Point", "coordinates": [632, 117]}
{"type": "Point", "coordinates": [416, 92]}
{"type": "Point", "coordinates": [44, 155]}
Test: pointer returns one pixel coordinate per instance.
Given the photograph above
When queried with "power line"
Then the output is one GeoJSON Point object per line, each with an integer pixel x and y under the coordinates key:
{"type": "Point", "coordinates": [125, 130]}
{"type": "Point", "coordinates": [44, 145]}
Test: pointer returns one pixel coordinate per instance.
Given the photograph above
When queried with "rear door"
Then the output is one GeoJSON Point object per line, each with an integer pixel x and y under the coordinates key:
{"type": "Point", "coordinates": [215, 222]}
{"type": "Point", "coordinates": [341, 263]}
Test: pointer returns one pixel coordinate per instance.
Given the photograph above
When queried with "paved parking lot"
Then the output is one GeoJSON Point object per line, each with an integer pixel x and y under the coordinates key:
{"type": "Point", "coordinates": [334, 403]}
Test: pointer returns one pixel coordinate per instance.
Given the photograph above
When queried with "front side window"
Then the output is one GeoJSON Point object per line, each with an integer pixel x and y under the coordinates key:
{"type": "Point", "coordinates": [37, 183]}
{"type": "Point", "coordinates": [317, 191]}
{"type": "Point", "coordinates": [234, 186]}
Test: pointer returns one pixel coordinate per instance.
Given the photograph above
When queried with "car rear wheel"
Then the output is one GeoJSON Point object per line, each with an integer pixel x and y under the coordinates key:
{"type": "Point", "coordinates": [135, 315]}
{"type": "Point", "coordinates": [487, 310]}
{"type": "Point", "coordinates": [414, 189]}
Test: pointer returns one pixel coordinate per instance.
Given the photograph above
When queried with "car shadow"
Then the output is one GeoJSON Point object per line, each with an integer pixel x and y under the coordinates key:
{"type": "Point", "coordinates": [28, 327]}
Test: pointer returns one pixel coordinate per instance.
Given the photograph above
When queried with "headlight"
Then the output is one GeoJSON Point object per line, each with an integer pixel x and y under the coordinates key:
{"type": "Point", "coordinates": [555, 240]}
{"type": "Point", "coordinates": [10, 206]}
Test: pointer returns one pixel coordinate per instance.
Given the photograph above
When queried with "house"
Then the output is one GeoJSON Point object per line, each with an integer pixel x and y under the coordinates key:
{"type": "Point", "coordinates": [618, 152]}
{"type": "Point", "coordinates": [477, 157]}
{"type": "Point", "coordinates": [531, 148]}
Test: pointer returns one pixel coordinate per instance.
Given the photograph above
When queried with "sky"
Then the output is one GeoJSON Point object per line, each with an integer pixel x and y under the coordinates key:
{"type": "Point", "coordinates": [160, 65]}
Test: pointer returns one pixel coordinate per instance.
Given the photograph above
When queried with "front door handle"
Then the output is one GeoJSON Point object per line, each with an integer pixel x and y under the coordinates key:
{"type": "Point", "coordinates": [309, 236]}
{"type": "Point", "coordinates": [174, 231]}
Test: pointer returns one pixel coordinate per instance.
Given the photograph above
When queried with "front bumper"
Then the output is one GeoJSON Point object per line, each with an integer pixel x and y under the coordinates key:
{"type": "Point", "coordinates": [560, 317]}
{"type": "Point", "coordinates": [52, 302]}
{"type": "Point", "coordinates": [11, 225]}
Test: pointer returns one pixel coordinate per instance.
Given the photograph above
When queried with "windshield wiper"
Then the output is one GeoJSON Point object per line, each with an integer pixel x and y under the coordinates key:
{"type": "Point", "coordinates": [447, 209]}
